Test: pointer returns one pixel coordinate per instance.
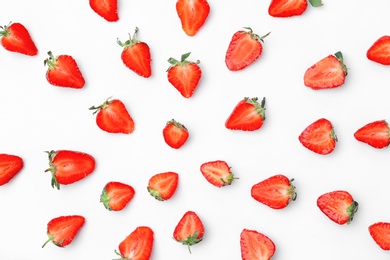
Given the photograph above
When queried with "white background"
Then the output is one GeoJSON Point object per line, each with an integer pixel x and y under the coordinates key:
{"type": "Point", "coordinates": [36, 117]}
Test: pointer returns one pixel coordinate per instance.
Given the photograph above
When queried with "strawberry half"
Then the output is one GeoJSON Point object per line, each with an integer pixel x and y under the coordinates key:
{"type": "Point", "coordinates": [184, 75]}
{"type": "Point", "coordinates": [10, 165]}
{"type": "Point", "coordinates": [138, 245]}
{"type": "Point", "coordinates": [288, 8]}
{"type": "Point", "coordinates": [108, 9]}
{"type": "Point", "coordinates": [116, 195]}
{"type": "Point", "coordinates": [192, 14]}
{"type": "Point", "coordinates": [375, 134]}
{"type": "Point", "coordinates": [380, 51]}
{"type": "Point", "coordinates": [136, 55]}
{"type": "Point", "coordinates": [245, 47]}
{"type": "Point", "coordinates": [175, 134]}
{"type": "Point", "coordinates": [330, 72]}
{"type": "Point", "coordinates": [113, 117]}
{"type": "Point", "coordinates": [256, 246]}
{"type": "Point", "coordinates": [63, 71]}
{"type": "Point", "coordinates": [248, 115]}
{"type": "Point", "coordinates": [276, 191]}
{"type": "Point", "coordinates": [217, 173]}
{"type": "Point", "coordinates": [62, 230]}
{"type": "Point", "coordinates": [16, 38]}
{"type": "Point", "coordinates": [190, 230]}
{"type": "Point", "coordinates": [319, 137]}
{"type": "Point", "coordinates": [67, 167]}
{"type": "Point", "coordinates": [380, 232]}
{"type": "Point", "coordinates": [162, 186]}
{"type": "Point", "coordinates": [338, 206]}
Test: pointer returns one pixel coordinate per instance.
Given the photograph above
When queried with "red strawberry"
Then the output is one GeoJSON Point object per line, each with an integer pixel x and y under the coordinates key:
{"type": "Point", "coordinates": [319, 137]}
{"type": "Point", "coordinates": [256, 246]}
{"type": "Point", "coordinates": [62, 230]}
{"type": "Point", "coordinates": [162, 186]}
{"type": "Point", "coordinates": [175, 134]}
{"type": "Point", "coordinates": [68, 167]}
{"type": "Point", "coordinates": [16, 38]}
{"type": "Point", "coordinates": [276, 191]}
{"type": "Point", "coordinates": [338, 206]}
{"type": "Point", "coordinates": [192, 14]}
{"type": "Point", "coordinates": [245, 47]}
{"type": "Point", "coordinates": [116, 195]}
{"type": "Point", "coordinates": [138, 245]}
{"type": "Point", "coordinates": [248, 115]}
{"type": "Point", "coordinates": [380, 51]}
{"type": "Point", "coordinates": [184, 75]}
{"type": "Point", "coordinates": [330, 72]}
{"type": "Point", "coordinates": [380, 232]}
{"type": "Point", "coordinates": [108, 9]}
{"type": "Point", "coordinates": [287, 8]}
{"type": "Point", "coordinates": [217, 173]}
{"type": "Point", "coordinates": [136, 55]}
{"type": "Point", "coordinates": [63, 71]}
{"type": "Point", "coordinates": [113, 117]}
{"type": "Point", "coordinates": [190, 230]}
{"type": "Point", "coordinates": [10, 165]}
{"type": "Point", "coordinates": [375, 134]}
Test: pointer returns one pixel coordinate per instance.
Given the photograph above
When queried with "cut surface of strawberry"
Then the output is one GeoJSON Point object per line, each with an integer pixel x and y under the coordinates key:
{"type": "Point", "coordinates": [247, 115]}
{"type": "Point", "coordinates": [190, 230]}
{"type": "Point", "coordinates": [380, 232]}
{"type": "Point", "coordinates": [256, 246]}
{"type": "Point", "coordinates": [192, 14]}
{"type": "Point", "coordinates": [138, 245]}
{"type": "Point", "coordinates": [217, 173]}
{"type": "Point", "coordinates": [108, 9]}
{"type": "Point", "coordinates": [375, 134]}
{"type": "Point", "coordinates": [16, 38]}
{"type": "Point", "coordinates": [10, 166]}
{"type": "Point", "coordinates": [162, 186]}
{"type": "Point", "coordinates": [175, 134]}
{"type": "Point", "coordinates": [287, 8]}
{"type": "Point", "coordinates": [116, 195]}
{"type": "Point", "coordinates": [380, 51]}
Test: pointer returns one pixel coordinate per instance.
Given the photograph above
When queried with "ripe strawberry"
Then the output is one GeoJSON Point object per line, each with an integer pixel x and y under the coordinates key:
{"type": "Point", "coordinates": [256, 246]}
{"type": "Point", "coordinates": [192, 14]}
{"type": "Point", "coordinates": [16, 38]}
{"type": "Point", "coordinates": [68, 167]}
{"type": "Point", "coordinates": [375, 134]}
{"type": "Point", "coordinates": [380, 232]}
{"type": "Point", "coordinates": [184, 75]}
{"type": "Point", "coordinates": [276, 191]}
{"type": "Point", "coordinates": [138, 245]}
{"type": "Point", "coordinates": [136, 55]}
{"type": "Point", "coordinates": [190, 230]}
{"type": "Point", "coordinates": [380, 51]}
{"type": "Point", "coordinates": [288, 8]}
{"type": "Point", "coordinates": [10, 165]}
{"type": "Point", "coordinates": [62, 230]}
{"type": "Point", "coordinates": [63, 71]}
{"type": "Point", "coordinates": [330, 72]}
{"type": "Point", "coordinates": [338, 206]}
{"type": "Point", "coordinates": [108, 9]}
{"type": "Point", "coordinates": [248, 115]}
{"type": "Point", "coordinates": [245, 47]}
{"type": "Point", "coordinates": [116, 195]}
{"type": "Point", "coordinates": [175, 134]}
{"type": "Point", "coordinates": [217, 173]}
{"type": "Point", "coordinates": [162, 186]}
{"type": "Point", "coordinates": [319, 137]}
{"type": "Point", "coordinates": [113, 117]}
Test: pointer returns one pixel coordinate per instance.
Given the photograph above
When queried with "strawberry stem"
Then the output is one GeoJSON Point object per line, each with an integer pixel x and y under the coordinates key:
{"type": "Point", "coordinates": [183, 61]}
{"type": "Point", "coordinates": [51, 62]}
{"type": "Point", "coordinates": [5, 31]}
{"type": "Point", "coordinates": [47, 241]}
{"type": "Point", "coordinates": [102, 106]}
{"type": "Point", "coordinates": [131, 41]}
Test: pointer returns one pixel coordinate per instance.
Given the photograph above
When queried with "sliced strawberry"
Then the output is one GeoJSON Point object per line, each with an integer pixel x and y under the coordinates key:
{"type": "Point", "coordinates": [108, 9]}
{"type": "Point", "coordinates": [319, 137]}
{"type": "Point", "coordinates": [175, 134]}
{"type": "Point", "coordinates": [138, 245]}
{"type": "Point", "coordinates": [116, 195]}
{"type": "Point", "coordinates": [380, 232]}
{"type": "Point", "coordinates": [380, 51]}
{"type": "Point", "coordinates": [248, 115]}
{"type": "Point", "coordinates": [256, 246]}
{"type": "Point", "coordinates": [162, 186]}
{"type": "Point", "coordinates": [16, 38]}
{"type": "Point", "coordinates": [287, 8]}
{"type": "Point", "coordinates": [217, 173]}
{"type": "Point", "coordinates": [192, 14]}
{"type": "Point", "coordinates": [10, 165]}
{"type": "Point", "coordinates": [375, 134]}
{"type": "Point", "coordinates": [190, 230]}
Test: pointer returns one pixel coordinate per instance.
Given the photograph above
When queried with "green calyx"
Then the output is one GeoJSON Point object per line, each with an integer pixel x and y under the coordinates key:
{"type": "Point", "coordinates": [51, 62]}
{"type": "Point", "coordinates": [255, 36]}
{"type": "Point", "coordinates": [154, 193]}
{"type": "Point", "coordinates": [52, 169]}
{"type": "Point", "coordinates": [105, 199]}
{"type": "Point", "coordinates": [339, 56]}
{"type": "Point", "coordinates": [260, 108]}
{"type": "Point", "coordinates": [291, 191]}
{"type": "Point", "coordinates": [351, 210]}
{"type": "Point", "coordinates": [176, 124]}
{"type": "Point", "coordinates": [229, 179]}
{"type": "Point", "coordinates": [131, 41]}
{"type": "Point", "coordinates": [191, 240]}
{"type": "Point", "coordinates": [183, 61]}
{"type": "Point", "coordinates": [4, 30]}
{"type": "Point", "coordinates": [102, 106]}
{"type": "Point", "coordinates": [316, 3]}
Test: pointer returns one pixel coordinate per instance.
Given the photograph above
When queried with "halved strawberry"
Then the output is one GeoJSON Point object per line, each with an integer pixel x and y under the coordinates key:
{"type": "Point", "coordinates": [116, 195]}
{"type": "Point", "coordinates": [245, 47]}
{"type": "Point", "coordinates": [217, 173]}
{"type": "Point", "coordinates": [108, 9]}
{"type": "Point", "coordinates": [319, 137]}
{"type": "Point", "coordinates": [375, 134]}
{"type": "Point", "coordinates": [16, 38]}
{"type": "Point", "coordinates": [192, 14]}
{"type": "Point", "coordinates": [175, 134]}
{"type": "Point", "coordinates": [10, 165]}
{"type": "Point", "coordinates": [329, 72]}
{"type": "Point", "coordinates": [256, 246]}
{"type": "Point", "coordinates": [162, 186]}
{"type": "Point", "coordinates": [138, 245]}
{"type": "Point", "coordinates": [380, 232]}
{"type": "Point", "coordinates": [248, 115]}
{"type": "Point", "coordinates": [190, 230]}
{"type": "Point", "coordinates": [339, 206]}
{"type": "Point", "coordinates": [380, 51]}
{"type": "Point", "coordinates": [288, 8]}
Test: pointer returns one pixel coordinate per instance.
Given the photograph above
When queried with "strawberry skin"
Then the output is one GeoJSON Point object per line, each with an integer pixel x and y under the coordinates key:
{"type": "Point", "coordinates": [217, 173]}
{"type": "Point", "coordinates": [248, 115]}
{"type": "Point", "coordinates": [330, 72]}
{"type": "Point", "coordinates": [319, 137]}
{"type": "Point", "coordinates": [380, 232]}
{"type": "Point", "coordinates": [192, 14]}
{"type": "Point", "coordinates": [256, 246]}
{"type": "Point", "coordinates": [16, 38]}
{"type": "Point", "coordinates": [162, 186]}
{"type": "Point", "coordinates": [108, 9]}
{"type": "Point", "coordinates": [10, 165]}
{"type": "Point", "coordinates": [287, 8]}
{"type": "Point", "coordinates": [138, 245]}
{"type": "Point", "coordinates": [339, 206]}
{"type": "Point", "coordinates": [175, 134]}
{"type": "Point", "coordinates": [190, 230]}
{"type": "Point", "coordinates": [244, 48]}
{"type": "Point", "coordinates": [380, 51]}
{"type": "Point", "coordinates": [375, 134]}
{"type": "Point", "coordinates": [63, 71]}
{"type": "Point", "coordinates": [276, 191]}
{"type": "Point", "coordinates": [116, 195]}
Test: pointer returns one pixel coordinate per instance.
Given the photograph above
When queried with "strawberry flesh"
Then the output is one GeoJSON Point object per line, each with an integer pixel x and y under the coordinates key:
{"type": "Point", "coordinates": [116, 195]}
{"type": "Point", "coordinates": [248, 115]}
{"type": "Point", "coordinates": [16, 38]}
{"type": "Point", "coordinates": [138, 245]}
{"type": "Point", "coordinates": [287, 8]}
{"type": "Point", "coordinates": [217, 173]}
{"type": "Point", "coordinates": [108, 9]}
{"type": "Point", "coordinates": [375, 134]}
{"type": "Point", "coordinates": [10, 165]}
{"type": "Point", "coordinates": [190, 230]}
{"type": "Point", "coordinates": [175, 134]}
{"type": "Point", "coordinates": [256, 246]}
{"type": "Point", "coordinates": [192, 14]}
{"type": "Point", "coordinates": [380, 232]}
{"type": "Point", "coordinates": [162, 186]}
{"type": "Point", "coordinates": [380, 51]}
